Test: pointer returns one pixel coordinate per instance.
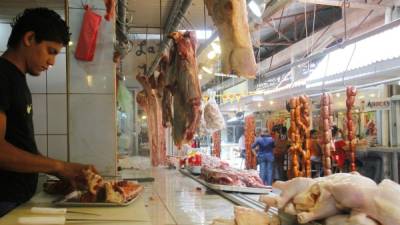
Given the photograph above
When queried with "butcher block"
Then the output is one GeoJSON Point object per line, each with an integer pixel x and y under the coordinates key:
{"type": "Point", "coordinates": [135, 211]}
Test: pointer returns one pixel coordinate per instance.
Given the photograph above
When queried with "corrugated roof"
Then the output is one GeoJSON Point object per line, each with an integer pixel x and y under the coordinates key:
{"type": "Point", "coordinates": [371, 50]}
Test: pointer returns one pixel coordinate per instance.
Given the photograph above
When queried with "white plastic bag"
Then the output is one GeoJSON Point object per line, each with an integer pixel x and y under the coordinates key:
{"type": "Point", "coordinates": [202, 130]}
{"type": "Point", "coordinates": [212, 115]}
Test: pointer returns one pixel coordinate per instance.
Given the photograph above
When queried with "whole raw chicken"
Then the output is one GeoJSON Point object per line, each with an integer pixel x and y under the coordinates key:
{"type": "Point", "coordinates": [326, 200]}
{"type": "Point", "coordinates": [352, 219]}
{"type": "Point", "coordinates": [289, 190]}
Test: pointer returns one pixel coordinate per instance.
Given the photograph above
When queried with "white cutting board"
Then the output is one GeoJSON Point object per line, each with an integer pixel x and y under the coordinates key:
{"type": "Point", "coordinates": [134, 211]}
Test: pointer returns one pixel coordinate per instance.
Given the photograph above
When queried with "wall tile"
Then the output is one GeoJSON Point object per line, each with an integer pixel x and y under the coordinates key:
{"type": "Point", "coordinates": [92, 131]}
{"type": "Point", "coordinates": [5, 31]}
{"type": "Point", "coordinates": [39, 113]}
{"type": "Point", "coordinates": [37, 84]}
{"type": "Point", "coordinates": [57, 114]}
{"type": "Point", "coordinates": [41, 143]}
{"type": "Point", "coordinates": [97, 4]}
{"type": "Point", "coordinates": [56, 76]}
{"type": "Point", "coordinates": [97, 76]}
{"type": "Point", "coordinates": [57, 147]}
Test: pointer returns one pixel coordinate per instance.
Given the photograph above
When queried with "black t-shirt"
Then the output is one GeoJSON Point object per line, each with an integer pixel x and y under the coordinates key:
{"type": "Point", "coordinates": [16, 103]}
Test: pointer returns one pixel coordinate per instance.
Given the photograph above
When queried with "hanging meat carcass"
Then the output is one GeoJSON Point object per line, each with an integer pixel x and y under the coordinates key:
{"type": "Point", "coordinates": [152, 106]}
{"type": "Point", "coordinates": [183, 84]}
{"type": "Point", "coordinates": [299, 135]}
{"type": "Point", "coordinates": [230, 18]}
{"type": "Point", "coordinates": [164, 92]}
{"type": "Point", "coordinates": [351, 93]}
{"type": "Point", "coordinates": [325, 134]}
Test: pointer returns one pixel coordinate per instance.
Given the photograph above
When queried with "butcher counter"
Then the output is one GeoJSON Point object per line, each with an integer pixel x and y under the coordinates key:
{"type": "Point", "coordinates": [172, 199]}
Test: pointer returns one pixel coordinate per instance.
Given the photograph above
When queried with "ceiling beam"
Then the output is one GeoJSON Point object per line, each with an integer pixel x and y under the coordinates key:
{"type": "Point", "coordinates": [175, 18]}
{"type": "Point", "coordinates": [357, 24]}
{"type": "Point", "coordinates": [346, 4]}
{"type": "Point", "coordinates": [278, 31]}
{"type": "Point", "coordinates": [275, 43]}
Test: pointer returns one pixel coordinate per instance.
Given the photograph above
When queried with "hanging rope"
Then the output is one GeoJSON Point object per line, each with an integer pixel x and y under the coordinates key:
{"type": "Point", "coordinates": [348, 64]}
{"type": "Point", "coordinates": [326, 70]}
{"type": "Point", "coordinates": [305, 26]}
{"type": "Point", "coordinates": [344, 19]}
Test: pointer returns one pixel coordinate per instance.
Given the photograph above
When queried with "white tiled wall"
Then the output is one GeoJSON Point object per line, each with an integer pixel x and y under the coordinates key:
{"type": "Point", "coordinates": [57, 76]}
{"type": "Point", "coordinates": [39, 113]}
{"type": "Point", "coordinates": [41, 143]}
{"type": "Point", "coordinates": [92, 104]}
{"type": "Point", "coordinates": [5, 30]}
{"type": "Point", "coordinates": [57, 114]}
{"type": "Point", "coordinates": [98, 75]}
{"type": "Point", "coordinates": [58, 147]}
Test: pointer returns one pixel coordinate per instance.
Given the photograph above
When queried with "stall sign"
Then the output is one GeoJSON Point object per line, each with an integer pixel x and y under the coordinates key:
{"type": "Point", "coordinates": [377, 104]}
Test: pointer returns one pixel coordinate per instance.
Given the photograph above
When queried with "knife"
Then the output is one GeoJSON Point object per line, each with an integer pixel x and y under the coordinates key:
{"type": "Point", "coordinates": [57, 211]}
{"type": "Point", "coordinates": [60, 220]}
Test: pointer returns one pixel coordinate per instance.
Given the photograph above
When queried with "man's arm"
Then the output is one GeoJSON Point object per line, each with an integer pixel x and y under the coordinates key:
{"type": "Point", "coordinates": [18, 160]}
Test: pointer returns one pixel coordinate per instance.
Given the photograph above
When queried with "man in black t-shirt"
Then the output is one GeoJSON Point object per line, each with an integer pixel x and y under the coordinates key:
{"type": "Point", "coordinates": [36, 38]}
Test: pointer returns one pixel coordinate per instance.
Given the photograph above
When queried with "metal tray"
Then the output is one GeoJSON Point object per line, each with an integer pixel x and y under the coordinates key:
{"type": "Point", "coordinates": [69, 203]}
{"type": "Point", "coordinates": [231, 188]}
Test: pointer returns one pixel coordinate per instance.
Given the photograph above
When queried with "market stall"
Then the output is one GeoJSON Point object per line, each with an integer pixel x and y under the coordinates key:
{"type": "Point", "coordinates": [221, 112]}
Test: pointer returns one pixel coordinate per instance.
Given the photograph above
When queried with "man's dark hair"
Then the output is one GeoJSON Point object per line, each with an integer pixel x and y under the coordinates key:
{"type": "Point", "coordinates": [45, 23]}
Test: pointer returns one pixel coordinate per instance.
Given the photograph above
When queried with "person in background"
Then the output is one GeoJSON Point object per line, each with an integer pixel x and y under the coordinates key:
{"type": "Point", "coordinates": [264, 145]}
{"type": "Point", "coordinates": [282, 144]}
{"type": "Point", "coordinates": [37, 36]}
{"type": "Point", "coordinates": [340, 153]}
{"type": "Point", "coordinates": [242, 149]}
{"type": "Point", "coordinates": [316, 152]}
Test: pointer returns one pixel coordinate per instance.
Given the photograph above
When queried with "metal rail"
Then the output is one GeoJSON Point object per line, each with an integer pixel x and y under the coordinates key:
{"type": "Point", "coordinates": [244, 200]}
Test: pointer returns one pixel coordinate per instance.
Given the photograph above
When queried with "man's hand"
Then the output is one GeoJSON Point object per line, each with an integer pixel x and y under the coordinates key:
{"type": "Point", "coordinates": [71, 171]}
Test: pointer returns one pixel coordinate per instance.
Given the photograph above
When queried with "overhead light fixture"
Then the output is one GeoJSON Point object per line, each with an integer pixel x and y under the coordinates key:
{"type": "Point", "coordinates": [372, 95]}
{"type": "Point", "coordinates": [271, 102]}
{"type": "Point", "coordinates": [216, 47]}
{"type": "Point", "coordinates": [207, 70]}
{"type": "Point", "coordinates": [211, 55]}
{"type": "Point", "coordinates": [258, 105]}
{"type": "Point", "coordinates": [144, 117]}
{"type": "Point", "coordinates": [361, 97]}
{"type": "Point", "coordinates": [337, 95]}
{"type": "Point", "coordinates": [255, 8]}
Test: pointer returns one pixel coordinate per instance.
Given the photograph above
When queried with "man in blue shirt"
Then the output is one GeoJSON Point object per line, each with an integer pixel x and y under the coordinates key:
{"type": "Point", "coordinates": [265, 155]}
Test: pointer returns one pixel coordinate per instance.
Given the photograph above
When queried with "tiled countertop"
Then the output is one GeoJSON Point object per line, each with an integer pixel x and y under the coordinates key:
{"type": "Point", "coordinates": [176, 199]}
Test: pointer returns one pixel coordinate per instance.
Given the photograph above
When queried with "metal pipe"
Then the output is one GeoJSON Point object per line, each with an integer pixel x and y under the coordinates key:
{"type": "Point", "coordinates": [174, 19]}
{"type": "Point", "coordinates": [121, 22]}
